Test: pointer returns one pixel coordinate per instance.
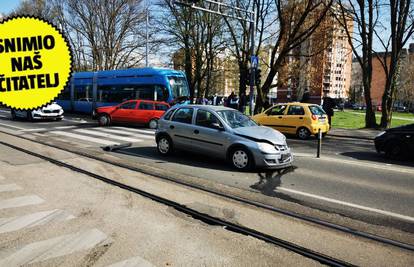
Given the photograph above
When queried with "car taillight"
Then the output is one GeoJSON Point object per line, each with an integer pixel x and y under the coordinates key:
{"type": "Point", "coordinates": [314, 117]}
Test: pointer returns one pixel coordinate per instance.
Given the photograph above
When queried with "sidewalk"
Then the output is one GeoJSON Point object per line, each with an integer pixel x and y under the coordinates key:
{"type": "Point", "coordinates": [367, 134]}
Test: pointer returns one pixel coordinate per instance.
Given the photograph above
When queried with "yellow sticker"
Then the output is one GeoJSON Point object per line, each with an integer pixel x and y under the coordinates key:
{"type": "Point", "coordinates": [35, 62]}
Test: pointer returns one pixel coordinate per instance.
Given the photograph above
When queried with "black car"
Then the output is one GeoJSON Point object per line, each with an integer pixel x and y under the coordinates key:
{"type": "Point", "coordinates": [396, 142]}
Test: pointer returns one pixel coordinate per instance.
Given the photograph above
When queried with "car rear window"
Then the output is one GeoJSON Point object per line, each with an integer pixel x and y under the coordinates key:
{"type": "Point", "coordinates": [167, 115]}
{"type": "Point", "coordinates": [183, 115]}
{"type": "Point", "coordinates": [161, 107]}
{"type": "Point", "coordinates": [316, 110]}
{"type": "Point", "coordinates": [146, 106]}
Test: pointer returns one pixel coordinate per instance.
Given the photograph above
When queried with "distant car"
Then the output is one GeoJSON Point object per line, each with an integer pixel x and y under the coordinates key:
{"type": "Point", "coordinates": [224, 133]}
{"type": "Point", "coordinates": [132, 112]}
{"type": "Point", "coordinates": [300, 119]}
{"type": "Point", "coordinates": [51, 112]}
{"type": "Point", "coordinates": [396, 142]}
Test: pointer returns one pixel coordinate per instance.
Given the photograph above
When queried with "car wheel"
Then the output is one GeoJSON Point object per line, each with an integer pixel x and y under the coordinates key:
{"type": "Point", "coordinates": [241, 159]}
{"type": "Point", "coordinates": [153, 124]}
{"type": "Point", "coordinates": [164, 145]}
{"type": "Point", "coordinates": [104, 120]}
{"type": "Point", "coordinates": [303, 133]}
{"type": "Point", "coordinates": [13, 114]}
{"type": "Point", "coordinates": [394, 150]}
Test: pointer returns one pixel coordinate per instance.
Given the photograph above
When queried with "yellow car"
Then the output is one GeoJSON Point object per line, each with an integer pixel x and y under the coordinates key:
{"type": "Point", "coordinates": [301, 119]}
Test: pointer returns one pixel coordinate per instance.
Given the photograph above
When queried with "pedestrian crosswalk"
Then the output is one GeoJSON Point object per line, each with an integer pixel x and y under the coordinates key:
{"type": "Point", "coordinates": [41, 250]}
{"type": "Point", "coordinates": [103, 136]}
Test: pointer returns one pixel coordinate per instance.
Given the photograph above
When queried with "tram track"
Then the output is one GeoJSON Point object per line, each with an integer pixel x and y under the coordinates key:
{"type": "Point", "coordinates": [198, 215]}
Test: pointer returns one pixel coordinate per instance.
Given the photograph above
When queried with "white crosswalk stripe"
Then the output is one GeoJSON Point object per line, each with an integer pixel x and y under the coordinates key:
{"type": "Point", "coordinates": [54, 247]}
{"type": "Point", "coordinates": [33, 219]}
{"type": "Point", "coordinates": [86, 138]}
{"type": "Point", "coordinates": [146, 136]}
{"type": "Point", "coordinates": [132, 262]}
{"type": "Point", "coordinates": [20, 202]}
{"type": "Point", "coordinates": [9, 187]}
{"type": "Point", "coordinates": [134, 130]}
{"type": "Point", "coordinates": [106, 135]}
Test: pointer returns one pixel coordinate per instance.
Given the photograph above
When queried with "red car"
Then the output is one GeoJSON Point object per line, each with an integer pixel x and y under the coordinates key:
{"type": "Point", "coordinates": [132, 111]}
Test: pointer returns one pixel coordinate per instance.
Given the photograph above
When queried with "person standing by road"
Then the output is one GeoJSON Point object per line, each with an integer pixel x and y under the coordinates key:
{"type": "Point", "coordinates": [328, 105]}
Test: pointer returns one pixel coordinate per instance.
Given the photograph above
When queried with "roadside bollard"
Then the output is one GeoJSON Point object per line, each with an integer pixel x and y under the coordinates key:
{"type": "Point", "coordinates": [318, 152]}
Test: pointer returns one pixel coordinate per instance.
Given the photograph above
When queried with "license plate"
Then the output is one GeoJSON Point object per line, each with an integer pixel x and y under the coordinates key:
{"type": "Point", "coordinates": [284, 157]}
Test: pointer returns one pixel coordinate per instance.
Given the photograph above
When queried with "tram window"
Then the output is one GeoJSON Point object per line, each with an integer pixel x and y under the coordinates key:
{"type": "Point", "coordinates": [65, 94]}
{"type": "Point", "coordinates": [160, 93]}
{"type": "Point", "coordinates": [145, 92]}
{"type": "Point", "coordinates": [82, 92]}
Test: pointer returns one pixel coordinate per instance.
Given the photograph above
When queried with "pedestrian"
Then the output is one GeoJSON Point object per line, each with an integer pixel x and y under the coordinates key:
{"type": "Point", "coordinates": [242, 102]}
{"type": "Point", "coordinates": [215, 100]}
{"type": "Point", "coordinates": [234, 102]}
{"type": "Point", "coordinates": [328, 105]}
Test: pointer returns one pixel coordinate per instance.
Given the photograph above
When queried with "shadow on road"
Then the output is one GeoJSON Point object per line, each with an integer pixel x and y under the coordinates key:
{"type": "Point", "coordinates": [269, 181]}
{"type": "Point", "coordinates": [179, 157]}
{"type": "Point", "coordinates": [377, 158]}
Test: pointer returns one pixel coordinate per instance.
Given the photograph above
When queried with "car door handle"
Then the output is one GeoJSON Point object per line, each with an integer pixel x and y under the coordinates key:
{"type": "Point", "coordinates": [301, 118]}
{"type": "Point", "coordinates": [196, 131]}
{"type": "Point", "coordinates": [172, 127]}
{"type": "Point", "coordinates": [280, 117]}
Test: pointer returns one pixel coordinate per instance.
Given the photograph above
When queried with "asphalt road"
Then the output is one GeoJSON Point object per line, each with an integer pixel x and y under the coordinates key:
{"type": "Point", "coordinates": [350, 178]}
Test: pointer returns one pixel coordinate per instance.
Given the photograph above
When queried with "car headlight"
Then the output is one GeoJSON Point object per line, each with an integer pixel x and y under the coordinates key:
{"type": "Point", "coordinates": [380, 134]}
{"type": "Point", "coordinates": [267, 148]}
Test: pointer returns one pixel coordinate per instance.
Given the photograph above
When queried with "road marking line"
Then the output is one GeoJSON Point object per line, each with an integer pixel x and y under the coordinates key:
{"type": "Point", "coordinates": [9, 187]}
{"type": "Point", "coordinates": [386, 167]}
{"type": "Point", "coordinates": [20, 202]}
{"type": "Point", "coordinates": [54, 247]}
{"type": "Point", "coordinates": [383, 212]}
{"type": "Point", "coordinates": [135, 130]}
{"type": "Point", "coordinates": [5, 111]}
{"type": "Point", "coordinates": [32, 220]}
{"type": "Point", "coordinates": [64, 127]}
{"type": "Point", "coordinates": [8, 125]}
{"type": "Point", "coordinates": [132, 262]}
{"type": "Point", "coordinates": [111, 136]}
{"type": "Point", "coordinates": [127, 133]}
{"type": "Point", "coordinates": [34, 130]}
{"type": "Point", "coordinates": [77, 121]}
{"type": "Point", "coordinates": [86, 138]}
{"type": "Point", "coordinates": [4, 116]}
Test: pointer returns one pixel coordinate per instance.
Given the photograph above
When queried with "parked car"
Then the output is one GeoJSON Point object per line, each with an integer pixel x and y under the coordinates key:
{"type": "Point", "coordinates": [301, 119]}
{"type": "Point", "coordinates": [224, 133]}
{"type": "Point", "coordinates": [52, 112]}
{"type": "Point", "coordinates": [396, 142]}
{"type": "Point", "coordinates": [133, 112]}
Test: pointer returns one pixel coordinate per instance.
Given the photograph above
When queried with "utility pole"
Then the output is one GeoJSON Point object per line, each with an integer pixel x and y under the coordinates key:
{"type": "Point", "coordinates": [146, 32]}
{"type": "Point", "coordinates": [216, 8]}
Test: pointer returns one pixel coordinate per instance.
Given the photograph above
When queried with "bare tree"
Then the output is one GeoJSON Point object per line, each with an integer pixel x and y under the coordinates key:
{"type": "Point", "coordinates": [104, 34]}
{"type": "Point", "coordinates": [38, 8]}
{"type": "Point", "coordinates": [296, 21]}
{"type": "Point", "coordinates": [200, 36]}
{"type": "Point", "coordinates": [365, 14]}
{"type": "Point", "coordinates": [402, 28]}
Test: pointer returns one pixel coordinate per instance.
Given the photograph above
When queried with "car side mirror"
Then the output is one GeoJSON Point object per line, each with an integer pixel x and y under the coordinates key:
{"type": "Point", "coordinates": [217, 126]}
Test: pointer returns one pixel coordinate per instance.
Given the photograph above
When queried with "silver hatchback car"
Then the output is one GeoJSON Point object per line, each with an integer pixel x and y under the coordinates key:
{"type": "Point", "coordinates": [222, 132]}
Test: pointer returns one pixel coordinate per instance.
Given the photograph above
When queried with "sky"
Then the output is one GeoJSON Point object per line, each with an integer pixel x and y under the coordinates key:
{"type": "Point", "coordinates": [8, 5]}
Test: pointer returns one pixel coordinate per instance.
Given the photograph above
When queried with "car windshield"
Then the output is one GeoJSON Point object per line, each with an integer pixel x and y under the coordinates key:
{"type": "Point", "coordinates": [317, 110]}
{"type": "Point", "coordinates": [179, 87]}
{"type": "Point", "coordinates": [235, 119]}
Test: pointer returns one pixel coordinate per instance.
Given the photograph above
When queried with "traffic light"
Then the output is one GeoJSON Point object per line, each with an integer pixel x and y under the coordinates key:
{"type": "Point", "coordinates": [245, 76]}
{"type": "Point", "coordinates": [258, 76]}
